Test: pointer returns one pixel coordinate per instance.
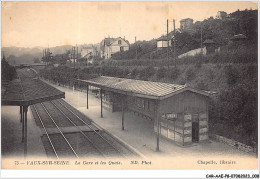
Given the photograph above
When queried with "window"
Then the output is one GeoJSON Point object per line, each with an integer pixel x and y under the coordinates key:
{"type": "Point", "coordinates": [119, 42]}
{"type": "Point", "coordinates": [149, 105]}
{"type": "Point", "coordinates": [121, 49]}
{"type": "Point", "coordinates": [140, 102]}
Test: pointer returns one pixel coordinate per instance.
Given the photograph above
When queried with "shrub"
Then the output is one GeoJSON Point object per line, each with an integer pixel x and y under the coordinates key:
{"type": "Point", "coordinates": [147, 72]}
{"type": "Point", "coordinates": [190, 74]}
{"type": "Point", "coordinates": [161, 73]}
{"type": "Point", "coordinates": [174, 73]}
{"type": "Point", "coordinates": [134, 73]}
{"type": "Point", "coordinates": [231, 75]}
{"type": "Point", "coordinates": [202, 86]}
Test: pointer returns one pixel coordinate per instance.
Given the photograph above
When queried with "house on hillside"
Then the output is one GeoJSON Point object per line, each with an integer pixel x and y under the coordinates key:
{"type": "Point", "coordinates": [210, 46]}
{"type": "Point", "coordinates": [186, 25]}
{"type": "Point", "coordinates": [162, 41]}
{"type": "Point", "coordinates": [109, 46]}
{"type": "Point", "coordinates": [238, 38]}
{"type": "Point", "coordinates": [221, 15]}
{"type": "Point", "coordinates": [89, 53]}
{"type": "Point", "coordinates": [237, 41]}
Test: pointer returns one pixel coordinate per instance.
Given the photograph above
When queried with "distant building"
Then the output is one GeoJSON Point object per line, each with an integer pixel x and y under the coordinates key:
{"type": "Point", "coordinates": [210, 46]}
{"type": "Point", "coordinates": [162, 42]}
{"type": "Point", "coordinates": [238, 40]}
{"type": "Point", "coordinates": [89, 53]}
{"type": "Point", "coordinates": [109, 46]}
{"type": "Point", "coordinates": [238, 37]}
{"type": "Point", "coordinates": [221, 15]}
{"type": "Point", "coordinates": [186, 23]}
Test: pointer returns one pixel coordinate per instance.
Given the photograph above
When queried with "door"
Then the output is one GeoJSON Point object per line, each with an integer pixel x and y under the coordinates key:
{"type": "Point", "coordinates": [195, 128]}
{"type": "Point", "coordinates": [195, 132]}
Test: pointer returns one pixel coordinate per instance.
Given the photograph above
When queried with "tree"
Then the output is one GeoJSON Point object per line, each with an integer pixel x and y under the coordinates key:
{"type": "Point", "coordinates": [11, 59]}
{"type": "Point", "coordinates": [8, 71]}
{"type": "Point", "coordinates": [36, 60]}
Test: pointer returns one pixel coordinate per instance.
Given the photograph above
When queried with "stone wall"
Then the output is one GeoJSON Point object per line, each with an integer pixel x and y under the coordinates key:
{"type": "Point", "coordinates": [236, 144]}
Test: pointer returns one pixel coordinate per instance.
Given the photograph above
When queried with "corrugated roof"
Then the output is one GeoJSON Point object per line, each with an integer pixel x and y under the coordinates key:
{"type": "Point", "coordinates": [28, 91]}
{"type": "Point", "coordinates": [147, 89]}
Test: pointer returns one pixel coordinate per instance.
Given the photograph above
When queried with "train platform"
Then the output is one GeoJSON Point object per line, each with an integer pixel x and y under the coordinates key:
{"type": "Point", "coordinates": [12, 145]}
{"type": "Point", "coordinates": [139, 134]}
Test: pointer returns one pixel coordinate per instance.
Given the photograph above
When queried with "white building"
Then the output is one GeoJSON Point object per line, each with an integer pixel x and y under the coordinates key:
{"type": "Point", "coordinates": [162, 42]}
{"type": "Point", "coordinates": [109, 46]}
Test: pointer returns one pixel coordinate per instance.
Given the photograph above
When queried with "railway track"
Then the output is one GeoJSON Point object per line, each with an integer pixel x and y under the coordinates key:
{"type": "Point", "coordinates": [96, 136]}
{"type": "Point", "coordinates": [76, 143]}
{"type": "Point", "coordinates": [55, 140]}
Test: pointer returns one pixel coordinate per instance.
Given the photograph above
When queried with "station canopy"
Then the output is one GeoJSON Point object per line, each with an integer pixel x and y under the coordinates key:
{"type": "Point", "coordinates": [139, 88]}
{"type": "Point", "coordinates": [28, 91]}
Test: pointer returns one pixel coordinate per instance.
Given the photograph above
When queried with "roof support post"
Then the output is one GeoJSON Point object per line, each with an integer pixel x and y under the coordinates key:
{"type": "Point", "coordinates": [22, 118]}
{"type": "Point", "coordinates": [101, 105]}
{"type": "Point", "coordinates": [123, 112]}
{"type": "Point", "coordinates": [25, 130]}
{"type": "Point", "coordinates": [21, 113]}
{"type": "Point", "coordinates": [87, 96]}
{"type": "Point", "coordinates": [157, 118]}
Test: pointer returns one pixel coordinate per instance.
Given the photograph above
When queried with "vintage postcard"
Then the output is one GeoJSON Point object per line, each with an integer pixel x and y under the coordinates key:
{"type": "Point", "coordinates": [129, 85]}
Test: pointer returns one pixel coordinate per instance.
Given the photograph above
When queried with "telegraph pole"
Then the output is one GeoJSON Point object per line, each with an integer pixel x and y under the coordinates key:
{"type": "Point", "coordinates": [167, 47]}
{"type": "Point", "coordinates": [136, 49]}
{"type": "Point", "coordinates": [77, 55]}
{"type": "Point", "coordinates": [46, 56]}
{"type": "Point", "coordinates": [174, 47]}
{"type": "Point", "coordinates": [201, 39]}
{"type": "Point", "coordinates": [74, 57]}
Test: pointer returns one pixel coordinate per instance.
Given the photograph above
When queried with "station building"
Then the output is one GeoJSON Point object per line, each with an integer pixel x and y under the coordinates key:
{"type": "Point", "coordinates": [179, 113]}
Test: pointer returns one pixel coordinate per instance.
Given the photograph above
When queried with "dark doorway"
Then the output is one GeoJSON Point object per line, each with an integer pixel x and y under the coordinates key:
{"type": "Point", "coordinates": [195, 132]}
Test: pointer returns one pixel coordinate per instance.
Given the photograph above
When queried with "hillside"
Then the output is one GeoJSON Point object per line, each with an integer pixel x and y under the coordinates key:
{"type": "Point", "coordinates": [220, 31]}
{"type": "Point", "coordinates": [20, 55]}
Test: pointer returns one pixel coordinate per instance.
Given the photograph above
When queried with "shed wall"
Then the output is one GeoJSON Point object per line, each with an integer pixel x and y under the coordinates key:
{"type": "Point", "coordinates": [187, 107]}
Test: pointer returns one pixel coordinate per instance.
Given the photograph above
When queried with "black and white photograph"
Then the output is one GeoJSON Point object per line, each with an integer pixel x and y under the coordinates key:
{"type": "Point", "coordinates": [129, 85]}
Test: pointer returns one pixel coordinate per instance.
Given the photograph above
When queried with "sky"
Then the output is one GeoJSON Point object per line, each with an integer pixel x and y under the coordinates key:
{"type": "Point", "coordinates": [31, 24]}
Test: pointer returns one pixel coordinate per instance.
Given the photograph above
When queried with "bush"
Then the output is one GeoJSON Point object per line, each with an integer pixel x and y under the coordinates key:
{"type": "Point", "coordinates": [174, 73]}
{"type": "Point", "coordinates": [161, 73]}
{"type": "Point", "coordinates": [146, 73]}
{"type": "Point", "coordinates": [190, 74]}
{"type": "Point", "coordinates": [134, 73]}
{"type": "Point", "coordinates": [202, 86]}
{"type": "Point", "coordinates": [231, 75]}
